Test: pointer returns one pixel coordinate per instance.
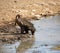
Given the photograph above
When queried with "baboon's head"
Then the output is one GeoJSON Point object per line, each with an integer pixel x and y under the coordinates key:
{"type": "Point", "coordinates": [18, 16]}
{"type": "Point", "coordinates": [18, 20]}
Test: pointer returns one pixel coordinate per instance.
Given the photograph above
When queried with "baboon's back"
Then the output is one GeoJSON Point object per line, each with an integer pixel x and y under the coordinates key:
{"type": "Point", "coordinates": [26, 22]}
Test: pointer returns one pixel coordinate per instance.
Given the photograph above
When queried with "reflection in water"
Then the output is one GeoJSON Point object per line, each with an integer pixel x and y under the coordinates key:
{"type": "Point", "coordinates": [26, 45]}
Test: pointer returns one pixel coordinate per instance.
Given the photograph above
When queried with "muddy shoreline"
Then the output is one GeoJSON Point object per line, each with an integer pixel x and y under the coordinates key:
{"type": "Point", "coordinates": [9, 34]}
{"type": "Point", "coordinates": [10, 39]}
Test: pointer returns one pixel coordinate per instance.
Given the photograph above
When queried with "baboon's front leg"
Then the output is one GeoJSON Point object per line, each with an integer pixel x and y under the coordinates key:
{"type": "Point", "coordinates": [15, 22]}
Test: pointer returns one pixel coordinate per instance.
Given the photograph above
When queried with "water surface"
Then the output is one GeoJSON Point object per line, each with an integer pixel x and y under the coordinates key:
{"type": "Point", "coordinates": [47, 35]}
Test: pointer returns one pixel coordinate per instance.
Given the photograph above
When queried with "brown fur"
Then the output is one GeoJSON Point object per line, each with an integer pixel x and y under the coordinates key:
{"type": "Point", "coordinates": [24, 24]}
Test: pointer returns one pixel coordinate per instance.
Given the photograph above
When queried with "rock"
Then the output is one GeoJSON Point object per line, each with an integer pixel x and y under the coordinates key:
{"type": "Point", "coordinates": [10, 42]}
{"type": "Point", "coordinates": [18, 38]}
{"type": "Point", "coordinates": [4, 39]}
{"type": "Point", "coordinates": [46, 44]}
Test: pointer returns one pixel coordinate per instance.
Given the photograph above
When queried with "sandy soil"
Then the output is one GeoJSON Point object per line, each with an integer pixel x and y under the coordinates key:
{"type": "Point", "coordinates": [27, 8]}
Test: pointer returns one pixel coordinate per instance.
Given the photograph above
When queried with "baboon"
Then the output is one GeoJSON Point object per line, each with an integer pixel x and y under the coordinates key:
{"type": "Point", "coordinates": [24, 24]}
{"type": "Point", "coordinates": [24, 29]}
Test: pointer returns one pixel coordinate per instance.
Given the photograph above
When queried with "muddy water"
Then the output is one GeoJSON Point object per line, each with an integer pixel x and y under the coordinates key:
{"type": "Point", "coordinates": [47, 35]}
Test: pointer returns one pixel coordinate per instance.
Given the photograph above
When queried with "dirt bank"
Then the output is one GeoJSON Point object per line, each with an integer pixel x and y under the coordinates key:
{"type": "Point", "coordinates": [27, 8]}
{"type": "Point", "coordinates": [9, 34]}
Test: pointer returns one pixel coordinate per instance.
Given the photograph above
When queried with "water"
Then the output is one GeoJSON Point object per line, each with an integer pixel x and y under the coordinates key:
{"type": "Point", "coordinates": [48, 30]}
{"type": "Point", "coordinates": [9, 48]}
{"type": "Point", "coordinates": [47, 35]}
